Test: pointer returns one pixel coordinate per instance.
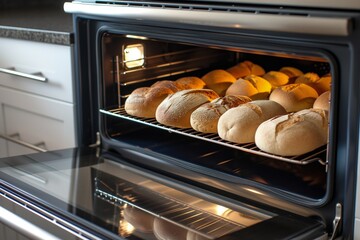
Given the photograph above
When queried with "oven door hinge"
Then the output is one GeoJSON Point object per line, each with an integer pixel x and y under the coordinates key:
{"type": "Point", "coordinates": [98, 141]}
{"type": "Point", "coordinates": [336, 221]}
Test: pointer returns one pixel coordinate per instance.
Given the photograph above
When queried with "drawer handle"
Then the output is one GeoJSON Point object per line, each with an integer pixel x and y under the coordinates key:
{"type": "Point", "coordinates": [12, 138]}
{"type": "Point", "coordinates": [35, 76]}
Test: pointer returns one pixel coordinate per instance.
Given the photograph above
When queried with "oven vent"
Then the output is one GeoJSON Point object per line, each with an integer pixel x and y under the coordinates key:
{"type": "Point", "coordinates": [305, 159]}
{"type": "Point", "coordinates": [206, 7]}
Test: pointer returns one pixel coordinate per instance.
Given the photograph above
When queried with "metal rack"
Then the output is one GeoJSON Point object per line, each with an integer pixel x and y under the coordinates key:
{"type": "Point", "coordinates": [304, 159]}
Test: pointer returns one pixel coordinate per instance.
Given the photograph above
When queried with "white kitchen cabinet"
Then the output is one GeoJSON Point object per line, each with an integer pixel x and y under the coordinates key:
{"type": "Point", "coordinates": [37, 113]}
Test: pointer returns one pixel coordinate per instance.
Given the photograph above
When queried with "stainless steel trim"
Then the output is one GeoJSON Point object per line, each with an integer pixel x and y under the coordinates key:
{"type": "Point", "coordinates": [23, 143]}
{"type": "Point", "coordinates": [35, 76]}
{"type": "Point", "coordinates": [334, 26]}
{"type": "Point", "coordinates": [23, 226]}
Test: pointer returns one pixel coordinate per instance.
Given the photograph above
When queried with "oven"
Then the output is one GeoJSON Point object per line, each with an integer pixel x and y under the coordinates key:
{"type": "Point", "coordinates": [201, 185]}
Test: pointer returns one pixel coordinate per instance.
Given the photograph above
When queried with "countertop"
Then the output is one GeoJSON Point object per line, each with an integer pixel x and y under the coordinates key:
{"type": "Point", "coordinates": [48, 25]}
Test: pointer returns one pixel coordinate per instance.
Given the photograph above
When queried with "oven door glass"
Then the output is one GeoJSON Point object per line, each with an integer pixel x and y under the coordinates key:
{"type": "Point", "coordinates": [92, 195]}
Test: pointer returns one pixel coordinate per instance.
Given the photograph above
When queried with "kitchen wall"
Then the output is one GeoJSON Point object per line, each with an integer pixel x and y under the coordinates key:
{"type": "Point", "coordinates": [10, 4]}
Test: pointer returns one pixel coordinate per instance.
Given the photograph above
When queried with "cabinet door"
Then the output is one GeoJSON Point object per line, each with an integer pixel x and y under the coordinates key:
{"type": "Point", "coordinates": [36, 120]}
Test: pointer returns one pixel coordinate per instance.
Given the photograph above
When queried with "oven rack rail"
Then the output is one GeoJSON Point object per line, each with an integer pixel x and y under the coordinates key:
{"type": "Point", "coordinates": [314, 156]}
{"type": "Point", "coordinates": [179, 213]}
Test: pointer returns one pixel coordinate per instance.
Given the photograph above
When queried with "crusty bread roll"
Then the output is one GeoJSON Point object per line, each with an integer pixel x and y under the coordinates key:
{"type": "Point", "coordinates": [276, 78]}
{"type": "Point", "coordinates": [294, 97]}
{"type": "Point", "coordinates": [244, 69]}
{"type": "Point", "coordinates": [255, 87]}
{"type": "Point", "coordinates": [205, 118]}
{"type": "Point", "coordinates": [168, 84]}
{"type": "Point", "coordinates": [321, 85]}
{"type": "Point", "coordinates": [323, 101]}
{"type": "Point", "coordinates": [176, 109]}
{"type": "Point", "coordinates": [164, 230]}
{"type": "Point", "coordinates": [140, 220]}
{"type": "Point", "coordinates": [218, 80]}
{"type": "Point", "coordinates": [292, 72]}
{"type": "Point", "coordinates": [293, 134]}
{"type": "Point", "coordinates": [239, 124]}
{"type": "Point", "coordinates": [143, 102]}
{"type": "Point", "coordinates": [190, 83]}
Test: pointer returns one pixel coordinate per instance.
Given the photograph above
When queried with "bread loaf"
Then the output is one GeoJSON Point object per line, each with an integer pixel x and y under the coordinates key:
{"type": "Point", "coordinates": [293, 134]}
{"type": "Point", "coordinates": [239, 124]}
{"type": "Point", "coordinates": [276, 78]}
{"type": "Point", "coordinates": [176, 109]}
{"type": "Point", "coordinates": [167, 84]}
{"type": "Point", "coordinates": [164, 230]}
{"type": "Point", "coordinates": [321, 85]}
{"type": "Point", "coordinates": [323, 101]}
{"type": "Point", "coordinates": [139, 219]}
{"type": "Point", "coordinates": [294, 97]}
{"type": "Point", "coordinates": [255, 87]}
{"type": "Point", "coordinates": [292, 72]}
{"type": "Point", "coordinates": [244, 69]}
{"type": "Point", "coordinates": [205, 118]}
{"type": "Point", "coordinates": [190, 83]}
{"type": "Point", "coordinates": [218, 80]}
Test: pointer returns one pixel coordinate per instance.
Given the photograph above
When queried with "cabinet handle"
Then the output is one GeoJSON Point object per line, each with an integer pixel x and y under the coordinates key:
{"type": "Point", "coordinates": [23, 226]}
{"type": "Point", "coordinates": [35, 76]}
{"type": "Point", "coordinates": [12, 138]}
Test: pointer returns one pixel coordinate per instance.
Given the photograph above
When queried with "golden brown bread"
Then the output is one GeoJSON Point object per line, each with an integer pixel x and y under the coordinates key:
{"type": "Point", "coordinates": [321, 85]}
{"type": "Point", "coordinates": [167, 84]}
{"type": "Point", "coordinates": [276, 78]}
{"type": "Point", "coordinates": [176, 109]}
{"type": "Point", "coordinates": [244, 69]}
{"type": "Point", "coordinates": [294, 97]}
{"type": "Point", "coordinates": [323, 101]}
{"type": "Point", "coordinates": [190, 83]}
{"type": "Point", "coordinates": [218, 80]}
{"type": "Point", "coordinates": [292, 72]}
{"type": "Point", "coordinates": [205, 118]}
{"type": "Point", "coordinates": [255, 87]}
{"type": "Point", "coordinates": [239, 124]}
{"type": "Point", "coordinates": [164, 230]}
{"type": "Point", "coordinates": [139, 219]}
{"type": "Point", "coordinates": [294, 133]}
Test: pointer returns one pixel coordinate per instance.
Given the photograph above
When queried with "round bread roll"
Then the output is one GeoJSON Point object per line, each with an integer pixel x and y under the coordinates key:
{"type": "Point", "coordinates": [239, 124]}
{"type": "Point", "coordinates": [323, 101]}
{"type": "Point", "coordinates": [143, 102]}
{"type": "Point", "coordinates": [205, 118]}
{"type": "Point", "coordinates": [176, 109]}
{"type": "Point", "coordinates": [276, 78]}
{"type": "Point", "coordinates": [293, 134]}
{"type": "Point", "coordinates": [140, 220]}
{"type": "Point", "coordinates": [164, 230]}
{"type": "Point", "coordinates": [255, 87]}
{"type": "Point", "coordinates": [218, 80]}
{"type": "Point", "coordinates": [194, 236]}
{"type": "Point", "coordinates": [190, 83]}
{"type": "Point", "coordinates": [294, 97]}
{"type": "Point", "coordinates": [244, 69]}
{"type": "Point", "coordinates": [168, 84]}
{"type": "Point", "coordinates": [321, 85]}
{"type": "Point", "coordinates": [292, 72]}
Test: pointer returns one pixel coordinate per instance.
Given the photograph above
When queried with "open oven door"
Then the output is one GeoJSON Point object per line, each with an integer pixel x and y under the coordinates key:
{"type": "Point", "coordinates": [94, 197]}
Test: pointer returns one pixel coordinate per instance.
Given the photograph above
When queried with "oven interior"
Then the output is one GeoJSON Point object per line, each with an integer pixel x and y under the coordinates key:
{"type": "Point", "coordinates": [305, 175]}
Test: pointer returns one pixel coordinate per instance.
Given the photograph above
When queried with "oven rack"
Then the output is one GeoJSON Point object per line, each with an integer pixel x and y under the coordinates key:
{"type": "Point", "coordinates": [304, 159]}
{"type": "Point", "coordinates": [200, 221]}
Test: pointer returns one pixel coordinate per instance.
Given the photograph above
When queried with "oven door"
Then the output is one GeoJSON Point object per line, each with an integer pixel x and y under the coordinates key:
{"type": "Point", "coordinates": [96, 195]}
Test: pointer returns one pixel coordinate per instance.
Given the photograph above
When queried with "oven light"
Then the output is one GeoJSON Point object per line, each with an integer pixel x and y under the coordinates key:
{"type": "Point", "coordinates": [134, 55]}
{"type": "Point", "coordinates": [220, 210]}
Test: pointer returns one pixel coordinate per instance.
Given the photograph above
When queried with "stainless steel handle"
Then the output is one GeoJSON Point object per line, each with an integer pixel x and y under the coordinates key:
{"type": "Point", "coordinates": [12, 138]}
{"type": "Point", "coordinates": [34, 76]}
{"type": "Point", "coordinates": [334, 26]}
{"type": "Point", "coordinates": [23, 226]}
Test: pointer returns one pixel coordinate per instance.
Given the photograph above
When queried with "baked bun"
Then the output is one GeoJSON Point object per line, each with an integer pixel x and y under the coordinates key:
{"type": "Point", "coordinates": [164, 230]}
{"type": "Point", "coordinates": [176, 109]}
{"type": "Point", "coordinates": [292, 72]}
{"type": "Point", "coordinates": [323, 101]}
{"type": "Point", "coordinates": [293, 134]}
{"type": "Point", "coordinates": [294, 97]}
{"type": "Point", "coordinates": [167, 84]}
{"type": "Point", "coordinates": [190, 83]}
{"type": "Point", "coordinates": [321, 85]}
{"type": "Point", "coordinates": [218, 80]}
{"type": "Point", "coordinates": [244, 69]}
{"type": "Point", "coordinates": [252, 86]}
{"type": "Point", "coordinates": [205, 118]}
{"type": "Point", "coordinates": [276, 79]}
{"type": "Point", "coordinates": [142, 102]}
{"type": "Point", "coordinates": [140, 220]}
{"type": "Point", "coordinates": [239, 124]}
{"type": "Point", "coordinates": [194, 236]}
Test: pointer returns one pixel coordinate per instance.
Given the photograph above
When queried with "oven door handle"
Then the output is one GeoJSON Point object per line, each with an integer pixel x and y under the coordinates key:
{"type": "Point", "coordinates": [318, 25]}
{"type": "Point", "coordinates": [23, 226]}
